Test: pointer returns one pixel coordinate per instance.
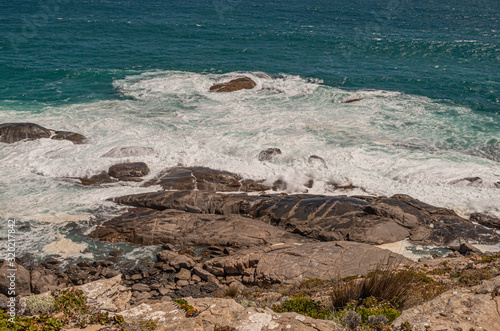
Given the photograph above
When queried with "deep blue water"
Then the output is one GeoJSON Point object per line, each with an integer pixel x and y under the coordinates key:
{"type": "Point", "coordinates": [72, 50]}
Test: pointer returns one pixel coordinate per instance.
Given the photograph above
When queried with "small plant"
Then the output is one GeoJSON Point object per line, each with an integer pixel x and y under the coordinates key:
{"type": "Point", "coordinates": [232, 291]}
{"type": "Point", "coordinates": [351, 319]}
{"type": "Point", "coordinates": [36, 304]}
{"type": "Point", "coordinates": [473, 277]}
{"type": "Point", "coordinates": [71, 302]}
{"type": "Point", "coordinates": [301, 305]}
{"type": "Point", "coordinates": [406, 326]}
{"type": "Point", "coordinates": [183, 304]}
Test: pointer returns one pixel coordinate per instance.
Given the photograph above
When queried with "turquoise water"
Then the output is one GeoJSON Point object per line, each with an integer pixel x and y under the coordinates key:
{"type": "Point", "coordinates": [137, 73]}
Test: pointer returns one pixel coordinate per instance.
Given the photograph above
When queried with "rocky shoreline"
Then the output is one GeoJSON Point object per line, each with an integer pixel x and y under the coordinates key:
{"type": "Point", "coordinates": [226, 236]}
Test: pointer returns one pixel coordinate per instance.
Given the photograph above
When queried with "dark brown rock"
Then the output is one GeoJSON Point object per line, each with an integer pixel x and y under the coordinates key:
{"type": "Point", "coordinates": [124, 171]}
{"type": "Point", "coordinates": [351, 100]}
{"type": "Point", "coordinates": [203, 179]}
{"type": "Point", "coordinates": [152, 227]}
{"type": "Point", "coordinates": [269, 154]}
{"type": "Point", "coordinates": [14, 132]}
{"type": "Point", "coordinates": [74, 137]}
{"type": "Point", "coordinates": [485, 220]}
{"type": "Point", "coordinates": [370, 220]}
{"type": "Point", "coordinates": [102, 178]}
{"type": "Point", "coordinates": [43, 281]}
{"type": "Point", "coordinates": [470, 181]}
{"type": "Point", "coordinates": [234, 85]}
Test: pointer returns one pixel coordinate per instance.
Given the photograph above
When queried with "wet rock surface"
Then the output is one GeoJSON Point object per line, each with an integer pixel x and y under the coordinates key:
{"type": "Point", "coordinates": [152, 227]}
{"type": "Point", "coordinates": [128, 171]}
{"type": "Point", "coordinates": [234, 85]}
{"type": "Point", "coordinates": [14, 132]}
{"type": "Point", "coordinates": [203, 179]}
{"type": "Point", "coordinates": [362, 219]}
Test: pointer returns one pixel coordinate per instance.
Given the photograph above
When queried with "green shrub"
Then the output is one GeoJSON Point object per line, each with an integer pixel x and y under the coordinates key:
{"type": "Point", "coordinates": [301, 305]}
{"type": "Point", "coordinates": [183, 304]}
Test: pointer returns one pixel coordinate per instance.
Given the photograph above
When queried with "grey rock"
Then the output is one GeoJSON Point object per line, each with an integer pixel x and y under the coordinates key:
{"type": "Point", "coordinates": [14, 132]}
{"type": "Point", "coordinates": [119, 152]}
{"type": "Point", "coordinates": [269, 154]}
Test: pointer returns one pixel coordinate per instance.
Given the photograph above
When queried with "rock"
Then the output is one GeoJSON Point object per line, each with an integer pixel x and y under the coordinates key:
{"type": "Point", "coordinates": [140, 287]}
{"type": "Point", "coordinates": [458, 309]}
{"type": "Point", "coordinates": [183, 274]}
{"type": "Point", "coordinates": [373, 220]}
{"type": "Point", "coordinates": [181, 261]}
{"type": "Point", "coordinates": [74, 137]}
{"type": "Point", "coordinates": [165, 255]}
{"type": "Point", "coordinates": [102, 178]}
{"type": "Point", "coordinates": [152, 227]}
{"type": "Point", "coordinates": [115, 252]}
{"type": "Point", "coordinates": [351, 100]}
{"type": "Point", "coordinates": [21, 279]}
{"type": "Point", "coordinates": [119, 152]}
{"type": "Point", "coordinates": [279, 185]}
{"type": "Point", "coordinates": [203, 274]}
{"type": "Point", "coordinates": [234, 85]}
{"type": "Point", "coordinates": [315, 159]}
{"type": "Point", "coordinates": [107, 294]}
{"type": "Point", "coordinates": [203, 179]}
{"type": "Point", "coordinates": [124, 171]}
{"type": "Point", "coordinates": [294, 263]}
{"type": "Point", "coordinates": [227, 314]}
{"type": "Point", "coordinates": [469, 181]}
{"type": "Point", "coordinates": [269, 154]}
{"type": "Point", "coordinates": [485, 220]}
{"type": "Point", "coordinates": [182, 282]}
{"type": "Point", "coordinates": [14, 132]}
{"type": "Point", "coordinates": [468, 248]}
{"type": "Point", "coordinates": [43, 281]}
{"type": "Point", "coordinates": [195, 291]}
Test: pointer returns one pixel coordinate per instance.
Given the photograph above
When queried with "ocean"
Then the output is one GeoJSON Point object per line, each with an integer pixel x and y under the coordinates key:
{"type": "Point", "coordinates": [137, 73]}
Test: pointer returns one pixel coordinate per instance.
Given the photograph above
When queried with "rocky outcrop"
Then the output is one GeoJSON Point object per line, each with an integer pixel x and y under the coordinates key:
{"type": "Point", "coordinates": [226, 314]}
{"type": "Point", "coordinates": [485, 220]}
{"type": "Point", "coordinates": [475, 308]}
{"type": "Point", "coordinates": [129, 171]}
{"type": "Point", "coordinates": [363, 219]}
{"type": "Point", "coordinates": [101, 178]}
{"type": "Point", "coordinates": [294, 263]}
{"type": "Point", "coordinates": [234, 85]}
{"type": "Point", "coordinates": [204, 179]}
{"type": "Point", "coordinates": [14, 132]}
{"type": "Point", "coordinates": [107, 294]}
{"type": "Point", "coordinates": [152, 227]}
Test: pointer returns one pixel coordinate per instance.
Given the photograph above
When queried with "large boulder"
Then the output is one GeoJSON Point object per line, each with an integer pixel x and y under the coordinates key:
{"type": "Point", "coordinates": [203, 179]}
{"type": "Point", "coordinates": [107, 294]}
{"type": "Point", "coordinates": [363, 219]}
{"type": "Point", "coordinates": [17, 275]}
{"type": "Point", "coordinates": [226, 314]}
{"type": "Point", "coordinates": [152, 227]}
{"type": "Point", "coordinates": [295, 263]}
{"type": "Point", "coordinates": [473, 308]}
{"type": "Point", "coordinates": [14, 132]}
{"type": "Point", "coordinates": [128, 171]}
{"type": "Point", "coordinates": [234, 85]}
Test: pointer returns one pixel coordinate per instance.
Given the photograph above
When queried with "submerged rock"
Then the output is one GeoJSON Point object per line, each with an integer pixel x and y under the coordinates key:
{"type": "Point", "coordinates": [234, 85]}
{"type": "Point", "coordinates": [101, 178]}
{"type": "Point", "coordinates": [128, 171]}
{"type": "Point", "coordinates": [129, 151]}
{"type": "Point", "coordinates": [14, 132]}
{"type": "Point", "coordinates": [269, 154]}
{"type": "Point", "coordinates": [204, 179]}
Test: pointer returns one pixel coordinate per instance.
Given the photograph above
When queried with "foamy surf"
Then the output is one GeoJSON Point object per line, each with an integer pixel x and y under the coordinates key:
{"type": "Point", "coordinates": [383, 144]}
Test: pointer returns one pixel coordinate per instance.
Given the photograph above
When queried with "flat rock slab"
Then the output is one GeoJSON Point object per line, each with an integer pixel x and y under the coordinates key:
{"type": "Point", "coordinates": [152, 227]}
{"type": "Point", "coordinates": [204, 179]}
{"type": "Point", "coordinates": [14, 132]}
{"type": "Point", "coordinates": [370, 220]}
{"type": "Point", "coordinates": [294, 263]}
{"type": "Point", "coordinates": [475, 308]}
{"type": "Point", "coordinates": [224, 313]}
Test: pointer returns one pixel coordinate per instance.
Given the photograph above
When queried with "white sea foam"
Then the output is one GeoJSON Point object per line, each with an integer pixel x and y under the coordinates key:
{"type": "Point", "coordinates": [386, 143]}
